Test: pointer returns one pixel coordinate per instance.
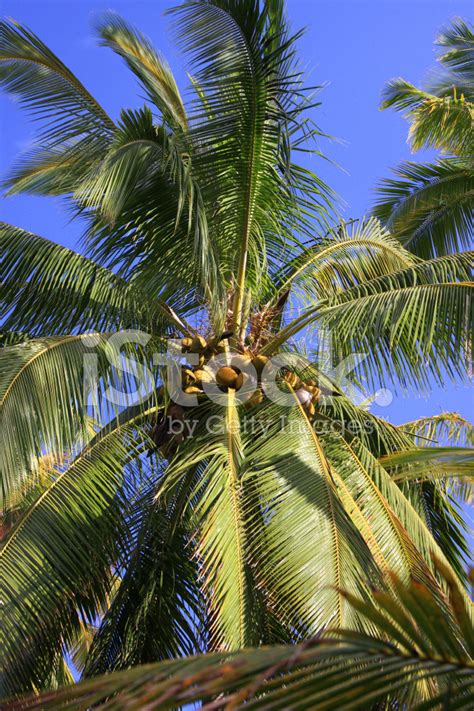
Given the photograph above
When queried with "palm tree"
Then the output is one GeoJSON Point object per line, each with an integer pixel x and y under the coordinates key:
{"type": "Point", "coordinates": [428, 206]}
{"type": "Point", "coordinates": [127, 541]}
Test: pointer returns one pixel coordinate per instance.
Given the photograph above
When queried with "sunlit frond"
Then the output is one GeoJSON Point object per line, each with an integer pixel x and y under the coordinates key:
{"type": "Point", "coordinates": [427, 665]}
{"type": "Point", "coordinates": [151, 69]}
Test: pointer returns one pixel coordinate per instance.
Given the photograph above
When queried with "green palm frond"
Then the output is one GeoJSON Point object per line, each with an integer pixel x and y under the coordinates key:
{"type": "Point", "coordinates": [245, 69]}
{"type": "Point", "coordinates": [344, 258]}
{"type": "Point", "coordinates": [135, 156]}
{"type": "Point", "coordinates": [222, 545]}
{"type": "Point", "coordinates": [377, 508]}
{"type": "Point", "coordinates": [74, 127]}
{"type": "Point", "coordinates": [414, 324]}
{"type": "Point", "coordinates": [156, 611]}
{"type": "Point", "coordinates": [148, 219]}
{"type": "Point", "coordinates": [46, 387]}
{"type": "Point", "coordinates": [446, 123]}
{"type": "Point", "coordinates": [48, 288]}
{"type": "Point", "coordinates": [56, 559]}
{"type": "Point", "coordinates": [448, 427]}
{"type": "Point", "coordinates": [151, 69]}
{"type": "Point", "coordinates": [306, 531]}
{"type": "Point", "coordinates": [403, 323]}
{"type": "Point", "coordinates": [456, 43]}
{"type": "Point", "coordinates": [53, 170]}
{"type": "Point", "coordinates": [425, 462]}
{"type": "Point", "coordinates": [429, 663]}
{"type": "Point", "coordinates": [44, 85]}
{"type": "Point", "coordinates": [414, 542]}
{"type": "Point", "coordinates": [428, 207]}
{"type": "Point", "coordinates": [41, 398]}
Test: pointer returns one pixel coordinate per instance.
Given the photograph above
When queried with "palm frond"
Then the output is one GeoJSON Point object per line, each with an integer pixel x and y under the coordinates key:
{"type": "Point", "coordinates": [43, 84]}
{"type": "Point", "coordinates": [406, 324]}
{"type": "Point", "coordinates": [245, 69]}
{"type": "Point", "coordinates": [444, 122]}
{"type": "Point", "coordinates": [48, 288]}
{"type": "Point", "coordinates": [42, 405]}
{"type": "Point", "coordinates": [426, 462]}
{"type": "Point", "coordinates": [429, 664]}
{"type": "Point", "coordinates": [75, 129]}
{"type": "Point", "coordinates": [46, 388]}
{"type": "Point", "coordinates": [222, 545]}
{"type": "Point", "coordinates": [428, 207]}
{"type": "Point", "coordinates": [57, 558]}
{"type": "Point", "coordinates": [156, 611]}
{"type": "Point", "coordinates": [347, 256]}
{"type": "Point", "coordinates": [447, 428]}
{"type": "Point", "coordinates": [144, 61]}
{"type": "Point", "coordinates": [308, 547]}
{"type": "Point", "coordinates": [456, 47]}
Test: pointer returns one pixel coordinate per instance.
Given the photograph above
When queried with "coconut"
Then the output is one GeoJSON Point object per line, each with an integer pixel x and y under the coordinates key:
{"type": "Point", "coordinates": [316, 393]}
{"type": "Point", "coordinates": [310, 409]}
{"type": "Point", "coordinates": [256, 399]}
{"type": "Point", "coordinates": [240, 380]}
{"type": "Point", "coordinates": [246, 381]}
{"type": "Point", "coordinates": [198, 344]}
{"type": "Point", "coordinates": [226, 376]}
{"type": "Point", "coordinates": [203, 376]}
{"type": "Point", "coordinates": [293, 380]}
{"type": "Point", "coordinates": [187, 376]}
{"type": "Point", "coordinates": [192, 390]}
{"type": "Point", "coordinates": [186, 344]}
{"type": "Point", "coordinates": [303, 395]}
{"type": "Point", "coordinates": [259, 362]}
{"type": "Point", "coordinates": [241, 361]}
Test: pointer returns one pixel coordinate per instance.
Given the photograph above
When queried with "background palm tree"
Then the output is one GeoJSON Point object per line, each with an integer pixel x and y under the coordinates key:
{"type": "Point", "coordinates": [428, 206]}
{"type": "Point", "coordinates": [200, 225]}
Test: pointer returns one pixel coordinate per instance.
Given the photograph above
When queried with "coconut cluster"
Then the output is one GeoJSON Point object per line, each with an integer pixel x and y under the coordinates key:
{"type": "Point", "coordinates": [306, 392]}
{"type": "Point", "coordinates": [234, 376]}
{"type": "Point", "coordinates": [228, 377]}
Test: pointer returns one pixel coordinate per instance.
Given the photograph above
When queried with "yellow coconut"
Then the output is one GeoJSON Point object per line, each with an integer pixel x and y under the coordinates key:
{"type": "Point", "coordinates": [192, 390]}
{"type": "Point", "coordinates": [241, 361]}
{"type": "Point", "coordinates": [203, 376]}
{"type": "Point", "coordinates": [186, 344]}
{"type": "Point", "coordinates": [198, 344]}
{"type": "Point", "coordinates": [310, 409]}
{"type": "Point", "coordinates": [241, 378]}
{"type": "Point", "coordinates": [255, 399]}
{"type": "Point", "coordinates": [187, 376]}
{"type": "Point", "coordinates": [226, 376]}
{"type": "Point", "coordinates": [259, 362]}
{"type": "Point", "coordinates": [293, 381]}
{"type": "Point", "coordinates": [316, 394]}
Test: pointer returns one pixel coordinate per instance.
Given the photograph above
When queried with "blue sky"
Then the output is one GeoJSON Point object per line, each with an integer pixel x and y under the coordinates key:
{"type": "Point", "coordinates": [353, 46]}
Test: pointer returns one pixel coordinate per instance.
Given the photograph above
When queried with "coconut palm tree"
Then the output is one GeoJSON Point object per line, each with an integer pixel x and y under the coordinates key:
{"type": "Point", "coordinates": [428, 206]}
{"type": "Point", "coordinates": [141, 526]}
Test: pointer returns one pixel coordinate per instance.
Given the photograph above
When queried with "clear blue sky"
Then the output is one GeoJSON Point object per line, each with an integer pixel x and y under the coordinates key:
{"type": "Point", "coordinates": [352, 45]}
